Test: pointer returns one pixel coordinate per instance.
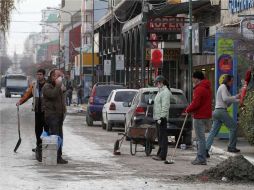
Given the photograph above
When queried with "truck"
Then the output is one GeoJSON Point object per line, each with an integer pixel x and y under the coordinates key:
{"type": "Point", "coordinates": [15, 84]}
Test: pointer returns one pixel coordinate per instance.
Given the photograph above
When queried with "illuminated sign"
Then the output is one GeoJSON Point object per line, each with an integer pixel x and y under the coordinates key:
{"type": "Point", "coordinates": [236, 6]}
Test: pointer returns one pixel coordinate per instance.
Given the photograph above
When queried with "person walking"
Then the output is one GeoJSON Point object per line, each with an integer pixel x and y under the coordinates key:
{"type": "Point", "coordinates": [35, 91]}
{"type": "Point", "coordinates": [201, 110]}
{"type": "Point", "coordinates": [55, 108]}
{"type": "Point", "coordinates": [160, 115]}
{"type": "Point", "coordinates": [69, 91]}
{"type": "Point", "coordinates": [220, 115]}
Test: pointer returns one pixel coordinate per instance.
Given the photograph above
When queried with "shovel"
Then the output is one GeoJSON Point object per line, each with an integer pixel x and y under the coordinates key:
{"type": "Point", "coordinates": [19, 141]}
{"type": "Point", "coordinates": [171, 161]}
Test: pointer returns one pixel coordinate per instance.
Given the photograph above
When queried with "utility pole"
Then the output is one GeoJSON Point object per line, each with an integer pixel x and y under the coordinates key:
{"type": "Point", "coordinates": [93, 43]}
{"type": "Point", "coordinates": [113, 77]}
{"type": "Point", "coordinates": [143, 42]}
{"type": "Point", "coordinates": [190, 53]}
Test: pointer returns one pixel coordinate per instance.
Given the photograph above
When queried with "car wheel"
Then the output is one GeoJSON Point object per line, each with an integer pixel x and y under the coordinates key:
{"type": "Point", "coordinates": [89, 120]}
{"type": "Point", "coordinates": [109, 126]}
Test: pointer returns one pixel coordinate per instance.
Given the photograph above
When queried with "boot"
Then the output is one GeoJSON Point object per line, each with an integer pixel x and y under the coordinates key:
{"type": "Point", "coordinates": [38, 153]}
{"type": "Point", "coordinates": [60, 160]}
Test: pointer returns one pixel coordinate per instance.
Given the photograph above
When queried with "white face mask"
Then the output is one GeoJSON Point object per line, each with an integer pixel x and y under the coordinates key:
{"type": "Point", "coordinates": [59, 79]}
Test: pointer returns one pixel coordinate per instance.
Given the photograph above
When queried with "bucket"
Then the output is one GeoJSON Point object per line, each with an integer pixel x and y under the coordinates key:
{"type": "Point", "coordinates": [49, 150]}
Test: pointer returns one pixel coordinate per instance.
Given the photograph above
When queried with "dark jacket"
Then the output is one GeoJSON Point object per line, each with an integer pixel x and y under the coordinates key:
{"type": "Point", "coordinates": [201, 105]}
{"type": "Point", "coordinates": [54, 100]}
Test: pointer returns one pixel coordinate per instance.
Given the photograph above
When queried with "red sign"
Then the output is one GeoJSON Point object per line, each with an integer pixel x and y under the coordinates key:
{"type": "Point", "coordinates": [157, 57]}
{"type": "Point", "coordinates": [225, 63]}
{"type": "Point", "coordinates": [166, 24]}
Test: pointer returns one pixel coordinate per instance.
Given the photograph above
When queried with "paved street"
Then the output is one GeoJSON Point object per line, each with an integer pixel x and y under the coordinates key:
{"type": "Point", "coordinates": [91, 162]}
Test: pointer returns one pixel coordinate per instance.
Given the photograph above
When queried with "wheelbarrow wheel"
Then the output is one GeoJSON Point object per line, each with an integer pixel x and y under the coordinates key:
{"type": "Point", "coordinates": [148, 147]}
{"type": "Point", "coordinates": [133, 148]}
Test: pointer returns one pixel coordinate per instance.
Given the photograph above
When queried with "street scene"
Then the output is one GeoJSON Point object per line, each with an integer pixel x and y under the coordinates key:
{"type": "Point", "coordinates": [127, 94]}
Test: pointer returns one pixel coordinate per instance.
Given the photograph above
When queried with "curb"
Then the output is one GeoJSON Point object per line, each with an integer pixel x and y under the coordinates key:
{"type": "Point", "coordinates": [226, 154]}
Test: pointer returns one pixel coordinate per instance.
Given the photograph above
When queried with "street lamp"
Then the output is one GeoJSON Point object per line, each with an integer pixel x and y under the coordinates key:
{"type": "Point", "coordinates": [42, 24]}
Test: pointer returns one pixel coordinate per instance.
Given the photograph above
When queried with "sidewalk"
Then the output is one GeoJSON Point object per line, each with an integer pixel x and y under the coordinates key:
{"type": "Point", "coordinates": [220, 148]}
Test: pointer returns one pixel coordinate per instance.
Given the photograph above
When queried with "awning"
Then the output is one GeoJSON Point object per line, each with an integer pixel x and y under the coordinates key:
{"type": "Point", "coordinates": [132, 23]}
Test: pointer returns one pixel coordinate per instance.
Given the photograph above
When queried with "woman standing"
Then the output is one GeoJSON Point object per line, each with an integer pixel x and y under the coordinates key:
{"type": "Point", "coordinates": [220, 115]}
{"type": "Point", "coordinates": [160, 115]}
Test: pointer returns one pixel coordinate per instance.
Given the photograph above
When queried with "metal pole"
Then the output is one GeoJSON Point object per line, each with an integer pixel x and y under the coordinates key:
{"type": "Point", "coordinates": [190, 52]}
{"type": "Point", "coordinates": [112, 44]}
{"type": "Point", "coordinates": [143, 43]}
{"type": "Point", "coordinates": [93, 44]}
{"type": "Point", "coordinates": [81, 64]}
{"type": "Point", "coordinates": [59, 50]}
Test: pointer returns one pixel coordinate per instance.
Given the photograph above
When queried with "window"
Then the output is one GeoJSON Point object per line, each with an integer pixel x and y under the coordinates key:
{"type": "Point", "coordinates": [125, 96]}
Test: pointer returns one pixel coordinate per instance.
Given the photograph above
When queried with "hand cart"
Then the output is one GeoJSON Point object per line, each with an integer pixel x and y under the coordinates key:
{"type": "Point", "coordinates": [144, 135]}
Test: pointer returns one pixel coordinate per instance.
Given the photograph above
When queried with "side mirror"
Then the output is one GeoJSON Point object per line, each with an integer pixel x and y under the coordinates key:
{"type": "Point", "coordinates": [126, 104]}
{"type": "Point", "coordinates": [150, 102]}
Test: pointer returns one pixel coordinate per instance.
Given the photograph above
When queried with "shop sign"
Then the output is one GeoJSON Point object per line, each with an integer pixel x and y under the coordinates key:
{"type": "Point", "coordinates": [107, 67]}
{"type": "Point", "coordinates": [247, 28]}
{"type": "Point", "coordinates": [236, 6]}
{"type": "Point", "coordinates": [119, 62]}
{"type": "Point", "coordinates": [226, 63]}
{"type": "Point", "coordinates": [195, 38]}
{"type": "Point", "coordinates": [165, 24]}
{"type": "Point", "coordinates": [168, 54]}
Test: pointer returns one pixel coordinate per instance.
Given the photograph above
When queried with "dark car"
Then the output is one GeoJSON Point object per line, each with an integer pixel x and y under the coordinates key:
{"type": "Point", "coordinates": [141, 112]}
{"type": "Point", "coordinates": [97, 99]}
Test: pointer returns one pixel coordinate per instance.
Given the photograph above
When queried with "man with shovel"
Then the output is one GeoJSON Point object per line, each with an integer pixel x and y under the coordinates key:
{"type": "Point", "coordinates": [35, 91]}
{"type": "Point", "coordinates": [201, 109]}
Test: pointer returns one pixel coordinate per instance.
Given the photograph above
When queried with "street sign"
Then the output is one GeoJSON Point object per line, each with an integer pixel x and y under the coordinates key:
{"type": "Point", "coordinates": [107, 67]}
{"type": "Point", "coordinates": [119, 62]}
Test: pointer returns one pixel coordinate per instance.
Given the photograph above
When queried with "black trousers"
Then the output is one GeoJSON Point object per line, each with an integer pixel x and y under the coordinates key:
{"type": "Point", "coordinates": [39, 126]}
{"type": "Point", "coordinates": [162, 138]}
{"type": "Point", "coordinates": [55, 124]}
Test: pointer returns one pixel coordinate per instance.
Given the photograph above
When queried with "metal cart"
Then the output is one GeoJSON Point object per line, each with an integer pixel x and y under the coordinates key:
{"type": "Point", "coordinates": [143, 135]}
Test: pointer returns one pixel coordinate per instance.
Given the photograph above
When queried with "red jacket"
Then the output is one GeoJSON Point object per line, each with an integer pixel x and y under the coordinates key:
{"type": "Point", "coordinates": [201, 105]}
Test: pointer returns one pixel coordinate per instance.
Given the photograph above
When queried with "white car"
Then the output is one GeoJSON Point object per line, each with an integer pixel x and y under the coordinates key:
{"type": "Point", "coordinates": [116, 107]}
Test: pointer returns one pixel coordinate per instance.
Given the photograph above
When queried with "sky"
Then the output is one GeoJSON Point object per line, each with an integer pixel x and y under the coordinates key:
{"type": "Point", "coordinates": [24, 20]}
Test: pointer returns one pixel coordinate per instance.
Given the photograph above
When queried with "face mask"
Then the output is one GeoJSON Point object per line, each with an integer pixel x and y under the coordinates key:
{"type": "Point", "coordinates": [59, 79]}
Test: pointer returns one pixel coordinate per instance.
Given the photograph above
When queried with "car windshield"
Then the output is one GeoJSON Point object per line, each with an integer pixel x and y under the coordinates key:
{"type": "Point", "coordinates": [176, 98]}
{"type": "Point", "coordinates": [124, 96]}
{"type": "Point", "coordinates": [104, 91]}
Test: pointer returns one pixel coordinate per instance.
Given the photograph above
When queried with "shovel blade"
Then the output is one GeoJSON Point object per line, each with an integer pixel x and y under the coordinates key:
{"type": "Point", "coordinates": [17, 145]}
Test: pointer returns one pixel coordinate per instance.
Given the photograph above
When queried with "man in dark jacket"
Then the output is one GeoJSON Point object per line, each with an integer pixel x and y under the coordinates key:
{"type": "Point", "coordinates": [35, 91]}
{"type": "Point", "coordinates": [201, 109]}
{"type": "Point", "coordinates": [54, 107]}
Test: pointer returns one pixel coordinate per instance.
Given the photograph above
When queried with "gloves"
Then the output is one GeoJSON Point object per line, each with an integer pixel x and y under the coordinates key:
{"type": "Point", "coordinates": [159, 121]}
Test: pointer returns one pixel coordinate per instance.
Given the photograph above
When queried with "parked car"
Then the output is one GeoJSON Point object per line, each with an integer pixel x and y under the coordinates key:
{"type": "Point", "coordinates": [97, 99]}
{"type": "Point", "coordinates": [116, 107]}
{"type": "Point", "coordinates": [141, 112]}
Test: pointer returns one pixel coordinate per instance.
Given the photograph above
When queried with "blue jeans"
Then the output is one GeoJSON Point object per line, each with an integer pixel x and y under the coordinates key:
{"type": "Point", "coordinates": [199, 126]}
{"type": "Point", "coordinates": [221, 116]}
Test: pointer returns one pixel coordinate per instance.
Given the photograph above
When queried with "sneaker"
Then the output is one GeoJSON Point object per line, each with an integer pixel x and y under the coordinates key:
{"type": "Point", "coordinates": [62, 161]}
{"type": "Point", "coordinates": [207, 154]}
{"type": "Point", "coordinates": [158, 158]}
{"type": "Point", "coordinates": [197, 162]}
{"type": "Point", "coordinates": [234, 150]}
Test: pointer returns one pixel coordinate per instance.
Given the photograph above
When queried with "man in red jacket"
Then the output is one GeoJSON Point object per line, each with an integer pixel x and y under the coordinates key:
{"type": "Point", "coordinates": [201, 109]}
